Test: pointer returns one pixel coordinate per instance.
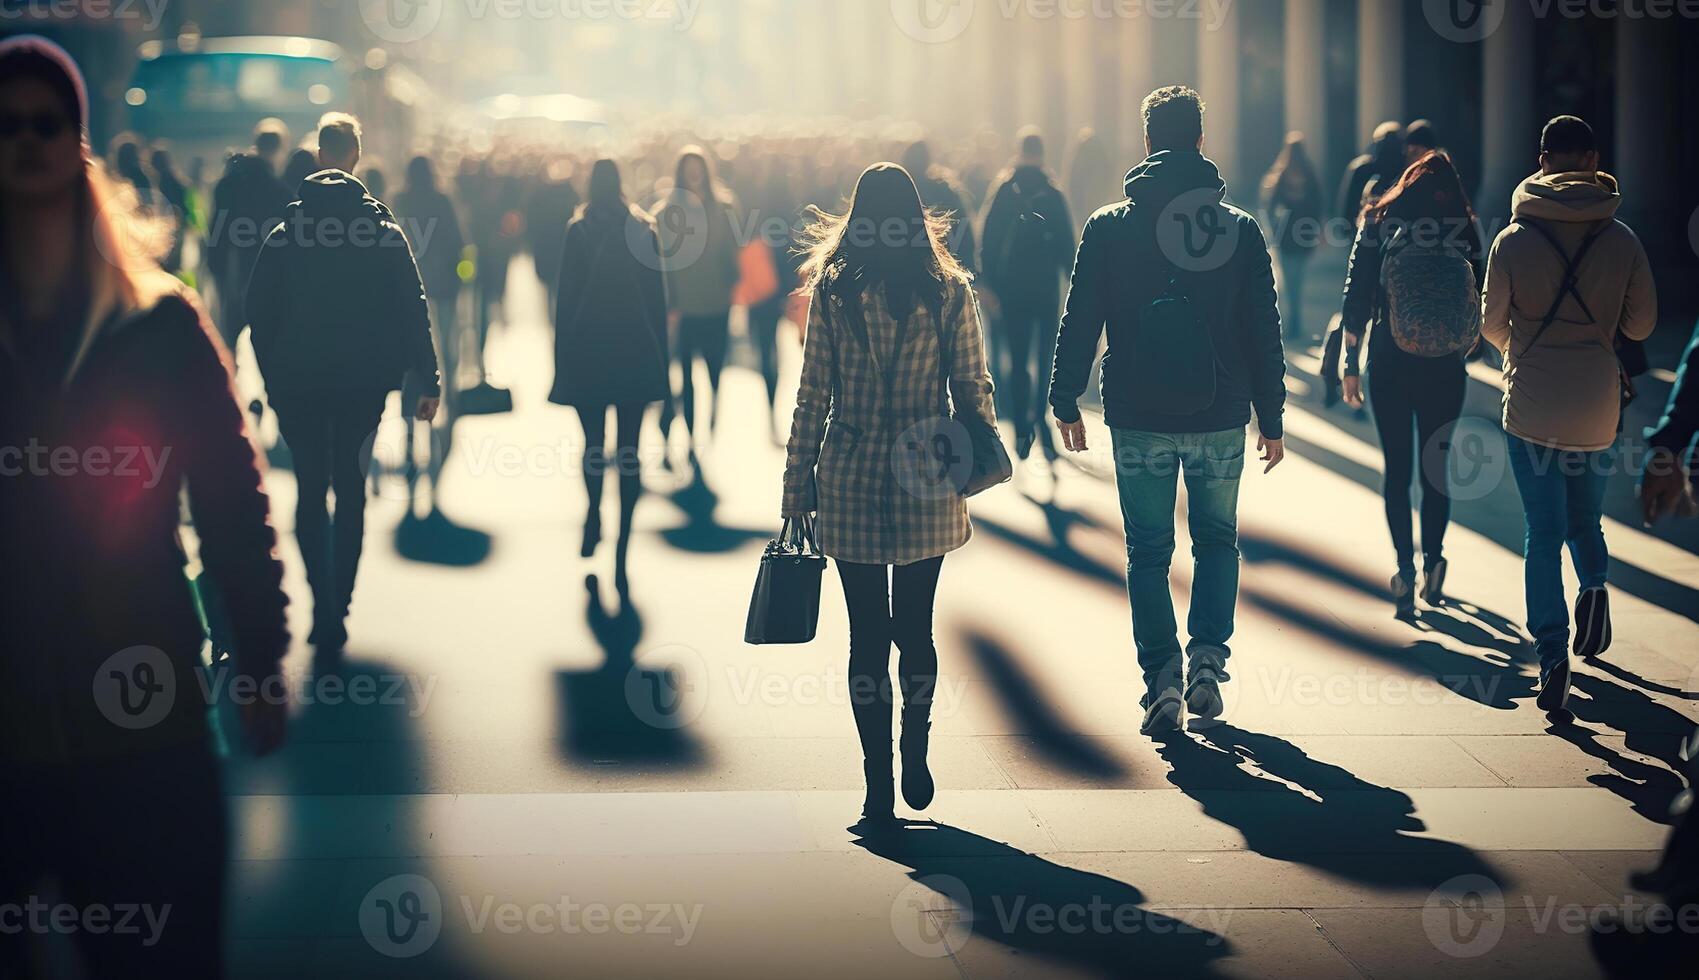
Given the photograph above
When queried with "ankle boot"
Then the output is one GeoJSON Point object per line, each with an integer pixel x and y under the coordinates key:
{"type": "Point", "coordinates": [917, 778]}
{"type": "Point", "coordinates": [880, 804]}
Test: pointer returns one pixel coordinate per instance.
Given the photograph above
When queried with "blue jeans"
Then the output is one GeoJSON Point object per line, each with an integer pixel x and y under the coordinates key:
{"type": "Point", "coordinates": [1563, 497]}
{"type": "Point", "coordinates": [1147, 468]}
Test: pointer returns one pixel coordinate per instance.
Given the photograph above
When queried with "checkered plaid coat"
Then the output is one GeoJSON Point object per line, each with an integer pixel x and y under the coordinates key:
{"type": "Point", "coordinates": [871, 449]}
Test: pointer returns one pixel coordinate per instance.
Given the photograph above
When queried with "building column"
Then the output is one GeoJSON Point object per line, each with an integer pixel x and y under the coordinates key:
{"type": "Point", "coordinates": [1306, 87]}
{"type": "Point", "coordinates": [1510, 135]}
{"type": "Point", "coordinates": [1218, 82]}
{"type": "Point", "coordinates": [1643, 161]}
{"type": "Point", "coordinates": [1380, 64]}
{"type": "Point", "coordinates": [1138, 77]}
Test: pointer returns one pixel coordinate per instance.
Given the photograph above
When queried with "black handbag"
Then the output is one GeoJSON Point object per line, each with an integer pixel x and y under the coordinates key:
{"type": "Point", "coordinates": [991, 463]}
{"type": "Point", "coordinates": [785, 607]}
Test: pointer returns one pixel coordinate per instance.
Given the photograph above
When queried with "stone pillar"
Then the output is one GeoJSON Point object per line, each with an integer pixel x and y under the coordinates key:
{"type": "Point", "coordinates": [1510, 135]}
{"type": "Point", "coordinates": [1306, 87]}
{"type": "Point", "coordinates": [1380, 65]}
{"type": "Point", "coordinates": [1643, 159]}
{"type": "Point", "coordinates": [1138, 77]}
{"type": "Point", "coordinates": [1218, 83]}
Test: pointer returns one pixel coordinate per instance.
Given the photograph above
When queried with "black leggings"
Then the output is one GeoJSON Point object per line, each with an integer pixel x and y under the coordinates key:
{"type": "Point", "coordinates": [881, 613]}
{"type": "Point", "coordinates": [625, 462]}
{"type": "Point", "coordinates": [1031, 337]}
{"type": "Point", "coordinates": [709, 337]}
{"type": "Point", "coordinates": [1416, 407]}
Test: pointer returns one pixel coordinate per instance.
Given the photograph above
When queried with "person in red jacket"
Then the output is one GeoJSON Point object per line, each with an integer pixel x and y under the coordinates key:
{"type": "Point", "coordinates": [114, 397]}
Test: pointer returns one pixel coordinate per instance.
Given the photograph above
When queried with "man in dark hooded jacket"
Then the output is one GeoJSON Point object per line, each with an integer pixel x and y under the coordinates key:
{"type": "Point", "coordinates": [339, 319]}
{"type": "Point", "coordinates": [1027, 245]}
{"type": "Point", "coordinates": [1183, 283]}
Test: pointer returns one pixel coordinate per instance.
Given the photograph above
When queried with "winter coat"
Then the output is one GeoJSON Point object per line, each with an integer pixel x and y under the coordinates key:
{"type": "Point", "coordinates": [1564, 389]}
{"type": "Point", "coordinates": [610, 313]}
{"type": "Point", "coordinates": [866, 400]}
{"type": "Point", "coordinates": [1122, 267]}
{"type": "Point", "coordinates": [335, 302]}
{"type": "Point", "coordinates": [94, 563]}
{"type": "Point", "coordinates": [699, 247]}
{"type": "Point", "coordinates": [1027, 196]}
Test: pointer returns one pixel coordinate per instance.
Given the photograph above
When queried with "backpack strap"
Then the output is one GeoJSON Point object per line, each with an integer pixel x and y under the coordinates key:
{"type": "Point", "coordinates": [1571, 275]}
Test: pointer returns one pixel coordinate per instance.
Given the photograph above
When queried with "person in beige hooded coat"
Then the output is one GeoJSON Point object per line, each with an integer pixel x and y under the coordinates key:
{"type": "Point", "coordinates": [1566, 284]}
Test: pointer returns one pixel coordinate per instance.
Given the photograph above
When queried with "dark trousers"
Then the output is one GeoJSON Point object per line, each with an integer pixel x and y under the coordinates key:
{"type": "Point", "coordinates": [890, 604]}
{"type": "Point", "coordinates": [330, 441]}
{"type": "Point", "coordinates": [625, 462]}
{"type": "Point", "coordinates": [1416, 409]}
{"type": "Point", "coordinates": [699, 336]}
{"type": "Point", "coordinates": [764, 333]}
{"type": "Point", "coordinates": [1030, 333]}
{"type": "Point", "coordinates": [117, 840]}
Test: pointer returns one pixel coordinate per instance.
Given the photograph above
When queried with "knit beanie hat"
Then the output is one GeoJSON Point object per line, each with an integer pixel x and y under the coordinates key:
{"type": "Point", "coordinates": [35, 57]}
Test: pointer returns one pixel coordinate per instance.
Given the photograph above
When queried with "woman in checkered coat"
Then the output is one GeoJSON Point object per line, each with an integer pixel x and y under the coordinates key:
{"type": "Point", "coordinates": [894, 338]}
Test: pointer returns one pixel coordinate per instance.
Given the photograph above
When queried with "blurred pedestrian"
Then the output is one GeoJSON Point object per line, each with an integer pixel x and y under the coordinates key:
{"type": "Point", "coordinates": [339, 317]}
{"type": "Point", "coordinates": [1292, 206]}
{"type": "Point", "coordinates": [114, 800]}
{"type": "Point", "coordinates": [1027, 250]}
{"type": "Point", "coordinates": [697, 223]}
{"type": "Point", "coordinates": [610, 344]}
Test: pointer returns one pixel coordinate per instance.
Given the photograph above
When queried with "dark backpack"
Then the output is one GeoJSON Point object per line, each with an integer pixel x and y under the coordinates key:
{"type": "Point", "coordinates": [1031, 241]}
{"type": "Point", "coordinates": [1433, 303]}
{"type": "Point", "coordinates": [1173, 369]}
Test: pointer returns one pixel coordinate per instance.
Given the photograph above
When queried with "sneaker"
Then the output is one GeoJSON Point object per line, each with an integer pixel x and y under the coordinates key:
{"type": "Point", "coordinates": [1433, 582]}
{"type": "Point", "coordinates": [1404, 595]}
{"type": "Point", "coordinates": [1554, 687]}
{"type": "Point", "coordinates": [1592, 623]}
{"type": "Point", "coordinates": [1203, 695]}
{"type": "Point", "coordinates": [1163, 714]}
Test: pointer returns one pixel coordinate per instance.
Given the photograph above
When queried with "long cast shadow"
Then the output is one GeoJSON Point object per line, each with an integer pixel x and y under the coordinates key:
{"type": "Point", "coordinates": [1055, 740]}
{"type": "Point", "coordinates": [1312, 812]}
{"type": "Point", "coordinates": [1055, 913]}
{"type": "Point", "coordinates": [620, 711]}
{"type": "Point", "coordinates": [701, 533]}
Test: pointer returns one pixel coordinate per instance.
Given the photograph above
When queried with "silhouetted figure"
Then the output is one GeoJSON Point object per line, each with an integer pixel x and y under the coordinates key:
{"type": "Point", "coordinates": [551, 207]}
{"type": "Point", "coordinates": [1667, 486]}
{"type": "Point", "coordinates": [697, 222]}
{"type": "Point", "coordinates": [339, 316]}
{"type": "Point", "coordinates": [941, 191]}
{"type": "Point", "coordinates": [778, 211]}
{"type": "Point", "coordinates": [172, 200]}
{"type": "Point", "coordinates": [302, 163]}
{"type": "Point", "coordinates": [1194, 346]}
{"type": "Point", "coordinates": [1416, 397]}
{"type": "Point", "coordinates": [1028, 245]}
{"type": "Point", "coordinates": [891, 317]}
{"type": "Point", "coordinates": [433, 230]}
{"type": "Point", "coordinates": [113, 801]}
{"type": "Point", "coordinates": [1381, 162]}
{"type": "Point", "coordinates": [247, 203]}
{"type": "Point", "coordinates": [1292, 205]}
{"type": "Point", "coordinates": [1567, 285]}
{"type": "Point", "coordinates": [1093, 179]}
{"type": "Point", "coordinates": [610, 343]}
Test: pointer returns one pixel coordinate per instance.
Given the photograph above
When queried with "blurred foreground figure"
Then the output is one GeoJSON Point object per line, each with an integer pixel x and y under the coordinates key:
{"type": "Point", "coordinates": [610, 343]}
{"type": "Point", "coordinates": [339, 317]}
{"type": "Point", "coordinates": [117, 394]}
{"type": "Point", "coordinates": [893, 332]}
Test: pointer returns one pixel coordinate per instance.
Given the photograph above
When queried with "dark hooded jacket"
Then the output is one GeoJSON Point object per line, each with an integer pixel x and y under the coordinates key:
{"type": "Point", "coordinates": [247, 202]}
{"type": "Point", "coordinates": [1124, 264]}
{"type": "Point", "coordinates": [1027, 242]}
{"type": "Point", "coordinates": [335, 302]}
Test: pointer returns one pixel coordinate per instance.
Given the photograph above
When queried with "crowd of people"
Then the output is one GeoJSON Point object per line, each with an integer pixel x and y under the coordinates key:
{"type": "Point", "coordinates": [933, 290]}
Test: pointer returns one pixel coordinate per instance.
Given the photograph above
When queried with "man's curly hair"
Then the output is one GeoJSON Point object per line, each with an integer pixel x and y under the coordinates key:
{"type": "Point", "coordinates": [1173, 118]}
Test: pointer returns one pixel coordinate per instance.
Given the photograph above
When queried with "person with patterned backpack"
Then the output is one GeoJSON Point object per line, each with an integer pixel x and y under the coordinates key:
{"type": "Point", "coordinates": [1413, 279]}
